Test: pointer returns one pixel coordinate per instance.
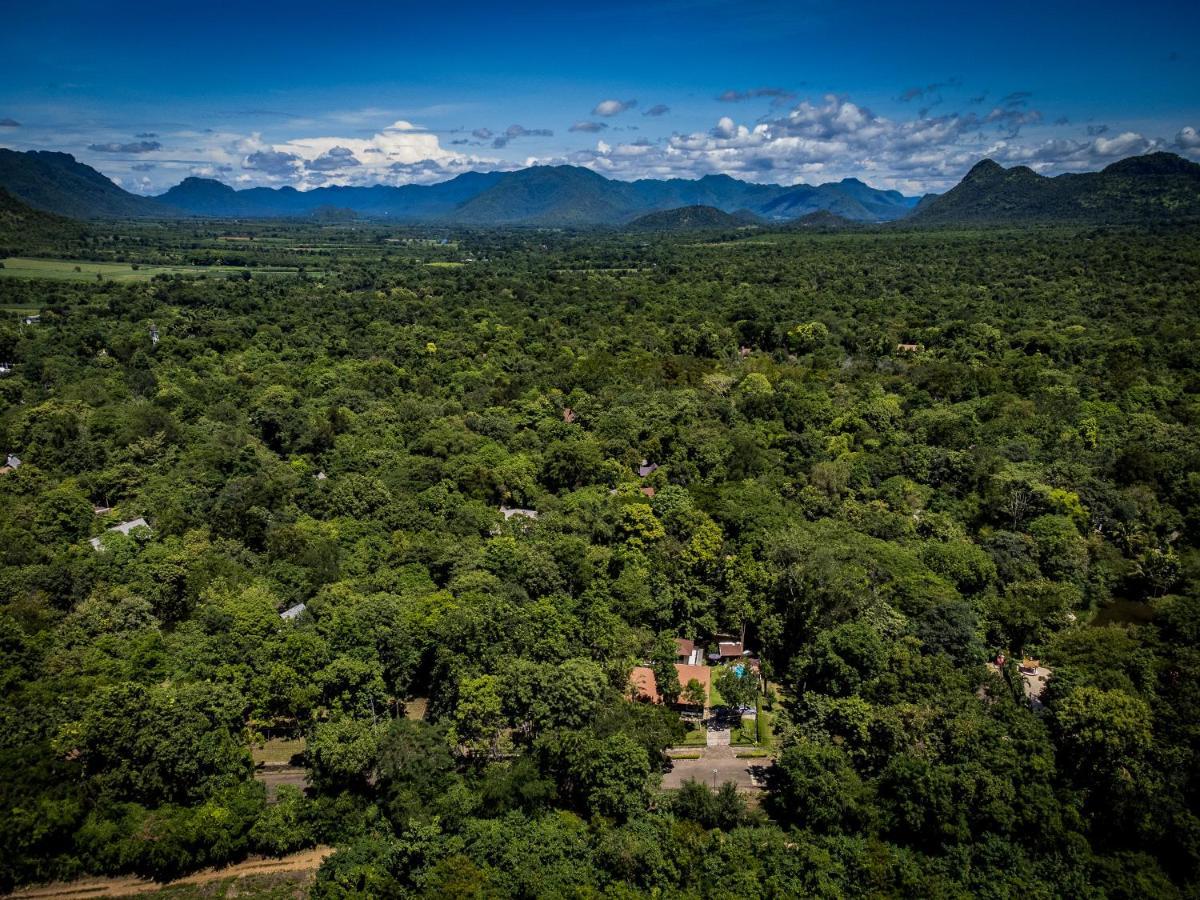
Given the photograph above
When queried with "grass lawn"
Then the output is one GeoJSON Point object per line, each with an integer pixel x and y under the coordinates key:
{"type": "Point", "coordinates": [756, 731]}
{"type": "Point", "coordinates": [697, 737]}
{"type": "Point", "coordinates": [277, 751]}
{"type": "Point", "coordinates": [714, 696]}
{"type": "Point", "coordinates": [65, 270]}
{"type": "Point", "coordinates": [766, 734]}
{"type": "Point", "coordinates": [745, 735]}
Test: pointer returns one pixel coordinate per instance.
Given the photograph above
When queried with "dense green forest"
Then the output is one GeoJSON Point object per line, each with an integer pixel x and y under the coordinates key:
{"type": "Point", "coordinates": [887, 457]}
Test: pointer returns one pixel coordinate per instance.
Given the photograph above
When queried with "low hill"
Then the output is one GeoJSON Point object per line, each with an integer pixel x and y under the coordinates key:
{"type": "Point", "coordinates": [822, 220]}
{"type": "Point", "coordinates": [1151, 188]}
{"type": "Point", "coordinates": [57, 183]}
{"type": "Point", "coordinates": [691, 218]}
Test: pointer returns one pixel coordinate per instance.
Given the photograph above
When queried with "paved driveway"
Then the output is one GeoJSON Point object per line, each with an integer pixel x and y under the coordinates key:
{"type": "Point", "coordinates": [718, 764]}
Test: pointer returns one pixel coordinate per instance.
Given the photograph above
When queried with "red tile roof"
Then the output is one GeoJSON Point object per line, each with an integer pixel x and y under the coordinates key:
{"type": "Point", "coordinates": [643, 685]}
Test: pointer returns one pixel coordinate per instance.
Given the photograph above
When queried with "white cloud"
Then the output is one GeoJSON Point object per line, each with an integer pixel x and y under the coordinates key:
{"type": "Point", "coordinates": [1188, 138]}
{"type": "Point", "coordinates": [398, 154]}
{"type": "Point", "coordinates": [832, 137]}
{"type": "Point", "coordinates": [1127, 144]}
{"type": "Point", "coordinates": [613, 107]}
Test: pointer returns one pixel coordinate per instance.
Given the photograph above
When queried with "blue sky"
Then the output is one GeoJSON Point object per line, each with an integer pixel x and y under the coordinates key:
{"type": "Point", "coordinates": [900, 95]}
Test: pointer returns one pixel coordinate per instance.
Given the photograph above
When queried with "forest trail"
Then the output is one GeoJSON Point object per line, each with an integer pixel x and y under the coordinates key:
{"type": "Point", "coordinates": [304, 861]}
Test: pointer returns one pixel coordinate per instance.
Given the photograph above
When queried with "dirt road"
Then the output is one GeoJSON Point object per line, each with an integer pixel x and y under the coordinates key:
{"type": "Point", "coordinates": [305, 861]}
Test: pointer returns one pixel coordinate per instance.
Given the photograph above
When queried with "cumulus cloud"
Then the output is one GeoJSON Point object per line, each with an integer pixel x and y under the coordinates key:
{"type": "Point", "coordinates": [832, 137]}
{"type": "Point", "coordinates": [400, 153]}
{"type": "Point", "coordinates": [131, 147]}
{"type": "Point", "coordinates": [658, 109]}
{"type": "Point", "coordinates": [272, 162]}
{"type": "Point", "coordinates": [333, 159]}
{"type": "Point", "coordinates": [323, 160]}
{"type": "Point", "coordinates": [777, 94]}
{"type": "Point", "coordinates": [590, 127]}
{"type": "Point", "coordinates": [613, 107]}
{"type": "Point", "coordinates": [724, 129]}
{"type": "Point", "coordinates": [1129, 143]}
{"type": "Point", "coordinates": [1188, 138]}
{"type": "Point", "coordinates": [9, 123]}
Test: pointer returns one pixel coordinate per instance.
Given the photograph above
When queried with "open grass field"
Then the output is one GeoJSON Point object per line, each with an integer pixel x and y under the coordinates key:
{"type": "Point", "coordinates": [82, 270]}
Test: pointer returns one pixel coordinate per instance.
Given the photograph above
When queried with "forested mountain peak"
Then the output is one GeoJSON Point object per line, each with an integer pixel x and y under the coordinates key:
{"type": "Point", "coordinates": [57, 183]}
{"type": "Point", "coordinates": [1156, 187]}
{"type": "Point", "coordinates": [1160, 163]}
{"type": "Point", "coordinates": [984, 169]}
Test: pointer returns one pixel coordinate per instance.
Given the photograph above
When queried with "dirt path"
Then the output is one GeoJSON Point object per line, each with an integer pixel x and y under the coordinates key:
{"type": "Point", "coordinates": [274, 776]}
{"type": "Point", "coordinates": [305, 861]}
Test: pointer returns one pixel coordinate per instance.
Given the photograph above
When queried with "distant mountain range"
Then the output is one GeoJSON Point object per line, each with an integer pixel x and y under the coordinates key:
{"type": "Point", "coordinates": [561, 196]}
{"type": "Point", "coordinates": [1147, 188]}
{"type": "Point", "coordinates": [1155, 187]}
{"type": "Point", "coordinates": [545, 195]}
